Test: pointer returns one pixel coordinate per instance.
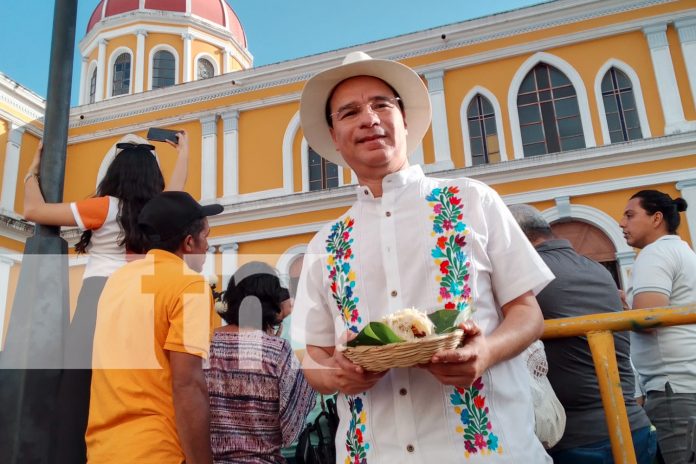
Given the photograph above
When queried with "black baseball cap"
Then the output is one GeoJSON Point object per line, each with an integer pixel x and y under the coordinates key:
{"type": "Point", "coordinates": [170, 213]}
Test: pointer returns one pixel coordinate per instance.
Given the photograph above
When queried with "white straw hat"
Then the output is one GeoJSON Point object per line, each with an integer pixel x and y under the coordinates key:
{"type": "Point", "coordinates": [316, 92]}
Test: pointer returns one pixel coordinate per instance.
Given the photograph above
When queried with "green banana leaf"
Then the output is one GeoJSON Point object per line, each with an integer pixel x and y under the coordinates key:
{"type": "Point", "coordinates": [375, 333]}
{"type": "Point", "coordinates": [379, 333]}
{"type": "Point", "coordinates": [444, 320]}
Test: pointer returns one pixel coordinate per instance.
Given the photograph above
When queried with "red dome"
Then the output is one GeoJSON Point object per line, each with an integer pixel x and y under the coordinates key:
{"type": "Point", "coordinates": [215, 11]}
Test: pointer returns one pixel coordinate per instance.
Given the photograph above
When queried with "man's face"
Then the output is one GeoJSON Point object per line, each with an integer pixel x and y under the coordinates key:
{"type": "Point", "coordinates": [637, 224]}
{"type": "Point", "coordinates": [198, 246]}
{"type": "Point", "coordinates": [372, 139]}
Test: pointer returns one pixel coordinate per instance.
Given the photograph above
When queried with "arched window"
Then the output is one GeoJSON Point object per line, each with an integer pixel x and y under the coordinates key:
{"type": "Point", "coordinates": [93, 86]}
{"type": "Point", "coordinates": [483, 133]}
{"type": "Point", "coordinates": [122, 75]}
{"type": "Point", "coordinates": [620, 107]}
{"type": "Point", "coordinates": [205, 69]}
{"type": "Point", "coordinates": [548, 112]}
{"type": "Point", "coordinates": [323, 174]}
{"type": "Point", "coordinates": [163, 69]}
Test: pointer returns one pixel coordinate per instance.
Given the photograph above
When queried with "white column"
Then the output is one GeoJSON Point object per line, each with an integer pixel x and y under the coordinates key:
{"type": "Point", "coordinates": [436, 88]}
{"type": "Point", "coordinates": [140, 60]}
{"type": "Point", "coordinates": [687, 37]}
{"type": "Point", "coordinates": [688, 192]}
{"type": "Point", "coordinates": [186, 62]}
{"type": "Point", "coordinates": [101, 71]}
{"type": "Point", "coordinates": [209, 158]}
{"type": "Point", "coordinates": [11, 170]}
{"type": "Point", "coordinates": [229, 262]}
{"type": "Point", "coordinates": [226, 60]}
{"type": "Point", "coordinates": [84, 88]}
{"type": "Point", "coordinates": [5, 265]}
{"type": "Point", "coordinates": [230, 163]}
{"type": "Point", "coordinates": [666, 79]}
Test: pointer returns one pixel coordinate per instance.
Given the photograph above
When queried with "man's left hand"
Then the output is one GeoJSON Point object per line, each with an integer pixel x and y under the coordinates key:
{"type": "Point", "coordinates": [463, 365]}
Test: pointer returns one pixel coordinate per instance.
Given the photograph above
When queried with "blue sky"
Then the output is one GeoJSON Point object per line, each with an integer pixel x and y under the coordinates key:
{"type": "Point", "coordinates": [277, 30]}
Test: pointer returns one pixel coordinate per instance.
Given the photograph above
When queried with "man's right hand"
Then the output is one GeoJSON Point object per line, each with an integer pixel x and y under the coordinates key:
{"type": "Point", "coordinates": [328, 371]}
{"type": "Point", "coordinates": [351, 378]}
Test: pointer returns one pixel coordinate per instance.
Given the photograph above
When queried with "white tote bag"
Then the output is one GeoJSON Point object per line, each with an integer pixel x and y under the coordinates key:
{"type": "Point", "coordinates": [549, 415]}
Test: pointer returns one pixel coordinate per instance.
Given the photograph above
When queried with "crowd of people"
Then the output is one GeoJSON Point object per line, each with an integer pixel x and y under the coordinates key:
{"type": "Point", "coordinates": [146, 384]}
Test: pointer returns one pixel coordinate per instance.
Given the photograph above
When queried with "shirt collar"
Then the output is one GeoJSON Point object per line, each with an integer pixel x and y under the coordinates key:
{"type": "Point", "coordinates": [553, 244]}
{"type": "Point", "coordinates": [393, 181]}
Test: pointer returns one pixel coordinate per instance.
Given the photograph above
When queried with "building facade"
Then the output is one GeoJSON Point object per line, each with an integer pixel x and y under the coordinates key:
{"type": "Point", "coordinates": [571, 106]}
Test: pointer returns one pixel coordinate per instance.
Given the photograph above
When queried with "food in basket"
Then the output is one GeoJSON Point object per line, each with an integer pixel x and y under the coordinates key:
{"type": "Point", "coordinates": [410, 324]}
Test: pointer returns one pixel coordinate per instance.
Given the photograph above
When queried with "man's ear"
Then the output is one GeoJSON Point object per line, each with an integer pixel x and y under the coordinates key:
{"type": "Point", "coordinates": [187, 244]}
{"type": "Point", "coordinates": [658, 218]}
{"type": "Point", "coordinates": [333, 136]}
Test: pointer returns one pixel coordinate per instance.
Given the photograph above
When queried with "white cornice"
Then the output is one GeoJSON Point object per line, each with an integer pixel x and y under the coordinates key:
{"type": "Point", "coordinates": [606, 156]}
{"type": "Point", "coordinates": [172, 120]}
{"type": "Point", "coordinates": [162, 17]}
{"type": "Point", "coordinates": [266, 234]}
{"type": "Point", "coordinates": [458, 35]}
{"type": "Point", "coordinates": [597, 158]}
{"type": "Point", "coordinates": [604, 186]}
{"type": "Point", "coordinates": [26, 102]}
{"type": "Point", "coordinates": [624, 154]}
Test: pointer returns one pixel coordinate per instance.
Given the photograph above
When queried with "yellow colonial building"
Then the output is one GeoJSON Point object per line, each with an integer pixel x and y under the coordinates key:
{"type": "Point", "coordinates": [570, 105]}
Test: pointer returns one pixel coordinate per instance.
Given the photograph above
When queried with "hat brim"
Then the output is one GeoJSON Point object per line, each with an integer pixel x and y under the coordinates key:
{"type": "Point", "coordinates": [211, 210]}
{"type": "Point", "coordinates": [410, 87]}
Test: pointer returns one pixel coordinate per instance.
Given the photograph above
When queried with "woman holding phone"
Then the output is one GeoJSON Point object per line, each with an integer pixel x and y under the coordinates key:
{"type": "Point", "coordinates": [109, 221]}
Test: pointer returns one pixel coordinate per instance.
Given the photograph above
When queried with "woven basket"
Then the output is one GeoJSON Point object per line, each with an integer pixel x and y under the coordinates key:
{"type": "Point", "coordinates": [404, 354]}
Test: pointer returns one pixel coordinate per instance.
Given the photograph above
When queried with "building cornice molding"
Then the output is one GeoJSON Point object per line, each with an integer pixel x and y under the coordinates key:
{"type": "Point", "coordinates": [119, 25]}
{"type": "Point", "coordinates": [597, 158]}
{"type": "Point", "coordinates": [21, 99]}
{"type": "Point", "coordinates": [416, 44]}
{"type": "Point", "coordinates": [172, 120]}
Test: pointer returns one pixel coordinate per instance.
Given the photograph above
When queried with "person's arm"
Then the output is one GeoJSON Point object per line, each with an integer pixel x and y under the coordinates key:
{"type": "Point", "coordinates": [191, 407]}
{"type": "Point", "coordinates": [35, 207]}
{"type": "Point", "coordinates": [522, 324]}
{"type": "Point", "coordinates": [180, 172]}
{"type": "Point", "coordinates": [296, 399]}
{"type": "Point", "coordinates": [328, 371]}
{"type": "Point", "coordinates": [650, 300]}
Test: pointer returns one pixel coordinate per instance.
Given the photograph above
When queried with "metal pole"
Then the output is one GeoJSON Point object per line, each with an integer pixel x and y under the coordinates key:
{"type": "Point", "coordinates": [30, 364]}
{"type": "Point", "coordinates": [604, 357]}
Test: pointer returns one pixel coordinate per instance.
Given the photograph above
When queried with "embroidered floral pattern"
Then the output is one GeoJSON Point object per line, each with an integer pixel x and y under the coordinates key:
{"type": "Point", "coordinates": [448, 252]}
{"type": "Point", "coordinates": [455, 292]}
{"type": "Point", "coordinates": [355, 442]}
{"type": "Point", "coordinates": [342, 278]}
{"type": "Point", "coordinates": [476, 428]}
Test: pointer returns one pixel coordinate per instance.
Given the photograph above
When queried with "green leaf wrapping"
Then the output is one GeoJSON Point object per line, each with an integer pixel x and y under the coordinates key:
{"type": "Point", "coordinates": [379, 333]}
{"type": "Point", "coordinates": [444, 320]}
{"type": "Point", "coordinates": [375, 333]}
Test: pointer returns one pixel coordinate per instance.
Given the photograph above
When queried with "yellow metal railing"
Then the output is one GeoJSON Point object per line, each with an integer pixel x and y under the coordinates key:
{"type": "Point", "coordinates": [598, 328]}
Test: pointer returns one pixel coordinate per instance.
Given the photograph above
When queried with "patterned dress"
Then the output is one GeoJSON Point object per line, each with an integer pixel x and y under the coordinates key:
{"type": "Point", "coordinates": [259, 398]}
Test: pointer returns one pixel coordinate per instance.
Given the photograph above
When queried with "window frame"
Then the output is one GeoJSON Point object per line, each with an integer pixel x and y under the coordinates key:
{"type": "Point", "coordinates": [637, 96]}
{"type": "Point", "coordinates": [151, 65]}
{"type": "Point", "coordinates": [110, 75]}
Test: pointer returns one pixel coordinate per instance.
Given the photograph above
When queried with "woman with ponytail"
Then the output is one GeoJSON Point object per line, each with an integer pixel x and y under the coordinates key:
{"type": "Point", "coordinates": [109, 221]}
{"type": "Point", "coordinates": [664, 274]}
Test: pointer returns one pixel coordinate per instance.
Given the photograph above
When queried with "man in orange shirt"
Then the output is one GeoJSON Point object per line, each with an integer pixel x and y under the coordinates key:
{"type": "Point", "coordinates": [149, 398]}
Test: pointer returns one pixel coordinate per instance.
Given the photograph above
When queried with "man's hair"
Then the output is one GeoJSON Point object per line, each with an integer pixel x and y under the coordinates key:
{"type": "Point", "coordinates": [532, 223]}
{"type": "Point", "coordinates": [259, 281]}
{"type": "Point", "coordinates": [653, 201]}
{"type": "Point", "coordinates": [172, 243]}
{"type": "Point", "coordinates": [327, 106]}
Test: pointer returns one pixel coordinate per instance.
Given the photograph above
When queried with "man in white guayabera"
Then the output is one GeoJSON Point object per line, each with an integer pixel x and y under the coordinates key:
{"type": "Point", "coordinates": [413, 241]}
